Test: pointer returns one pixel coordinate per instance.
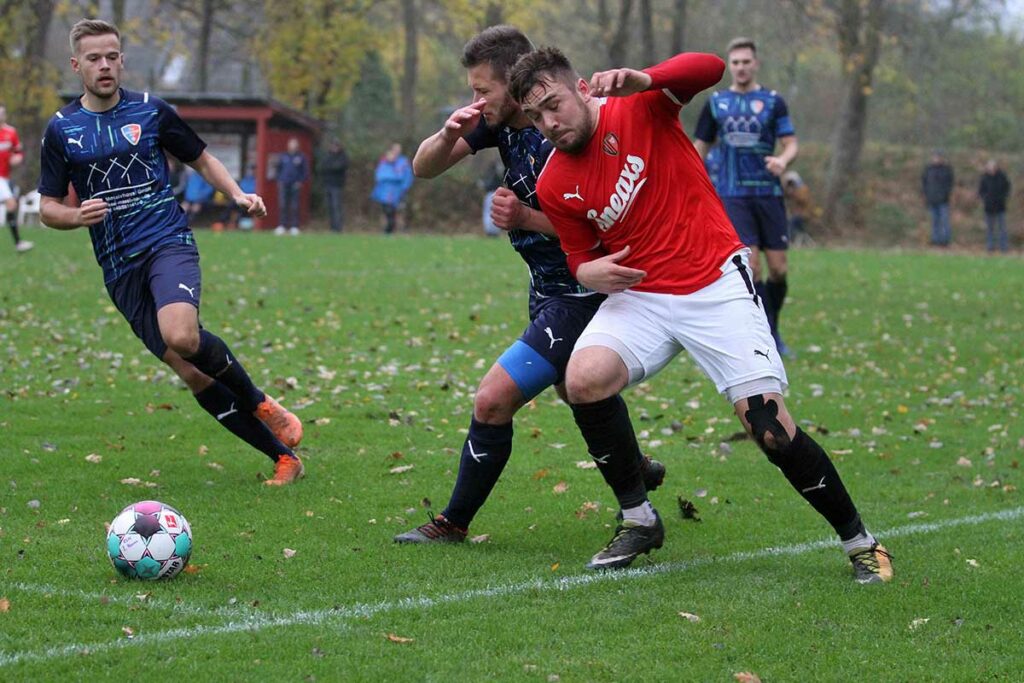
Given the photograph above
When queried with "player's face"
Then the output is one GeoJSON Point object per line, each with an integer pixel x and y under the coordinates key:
{"type": "Point", "coordinates": [743, 66]}
{"type": "Point", "coordinates": [561, 114]}
{"type": "Point", "coordinates": [99, 62]}
{"type": "Point", "coordinates": [500, 108]}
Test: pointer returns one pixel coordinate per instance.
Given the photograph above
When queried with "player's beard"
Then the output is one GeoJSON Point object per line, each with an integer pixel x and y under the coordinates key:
{"type": "Point", "coordinates": [581, 133]}
{"type": "Point", "coordinates": [506, 112]}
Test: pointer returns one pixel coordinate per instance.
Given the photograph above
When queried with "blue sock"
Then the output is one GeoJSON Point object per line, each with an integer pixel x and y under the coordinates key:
{"type": "Point", "coordinates": [215, 359]}
{"type": "Point", "coordinates": [223, 404]}
{"type": "Point", "coordinates": [484, 455]}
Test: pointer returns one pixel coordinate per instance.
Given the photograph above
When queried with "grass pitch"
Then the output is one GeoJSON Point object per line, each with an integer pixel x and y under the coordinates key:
{"type": "Point", "coordinates": [909, 373]}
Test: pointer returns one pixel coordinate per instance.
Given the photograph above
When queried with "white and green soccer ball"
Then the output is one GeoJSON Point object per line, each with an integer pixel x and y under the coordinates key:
{"type": "Point", "coordinates": [149, 540]}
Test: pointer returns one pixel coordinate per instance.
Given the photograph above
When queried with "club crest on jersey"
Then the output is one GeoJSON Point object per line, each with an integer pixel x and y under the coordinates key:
{"type": "Point", "coordinates": [132, 132]}
{"type": "Point", "coordinates": [757, 106]}
{"type": "Point", "coordinates": [610, 145]}
{"type": "Point", "coordinates": [626, 189]}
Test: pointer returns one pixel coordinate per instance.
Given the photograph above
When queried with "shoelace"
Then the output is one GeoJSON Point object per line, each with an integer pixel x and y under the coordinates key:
{"type": "Point", "coordinates": [869, 558]}
{"type": "Point", "coordinates": [435, 526]}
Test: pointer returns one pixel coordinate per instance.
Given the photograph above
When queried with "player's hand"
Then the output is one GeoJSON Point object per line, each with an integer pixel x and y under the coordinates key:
{"type": "Point", "coordinates": [619, 83]}
{"type": "Point", "coordinates": [253, 205]}
{"type": "Point", "coordinates": [605, 275]}
{"type": "Point", "coordinates": [775, 165]}
{"type": "Point", "coordinates": [506, 209]}
{"type": "Point", "coordinates": [91, 212]}
{"type": "Point", "coordinates": [463, 121]}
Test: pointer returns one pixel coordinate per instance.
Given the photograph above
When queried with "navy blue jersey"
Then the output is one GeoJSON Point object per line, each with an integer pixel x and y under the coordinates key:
{"type": "Point", "coordinates": [524, 152]}
{"type": "Point", "coordinates": [118, 156]}
{"type": "Point", "coordinates": [747, 126]}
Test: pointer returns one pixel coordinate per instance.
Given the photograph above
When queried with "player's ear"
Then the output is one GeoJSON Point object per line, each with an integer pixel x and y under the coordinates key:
{"type": "Point", "coordinates": [583, 87]}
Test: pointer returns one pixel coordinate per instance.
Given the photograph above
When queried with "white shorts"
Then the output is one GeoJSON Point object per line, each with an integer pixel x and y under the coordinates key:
{"type": "Point", "coordinates": [721, 326]}
{"type": "Point", "coordinates": [5, 190]}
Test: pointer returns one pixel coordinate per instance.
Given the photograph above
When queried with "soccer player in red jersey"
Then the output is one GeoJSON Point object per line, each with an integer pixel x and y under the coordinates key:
{"type": "Point", "coordinates": [640, 221]}
{"type": "Point", "coordinates": [11, 154]}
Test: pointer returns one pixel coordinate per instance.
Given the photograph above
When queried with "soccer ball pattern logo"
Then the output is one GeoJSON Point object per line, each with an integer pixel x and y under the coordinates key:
{"type": "Point", "coordinates": [149, 540]}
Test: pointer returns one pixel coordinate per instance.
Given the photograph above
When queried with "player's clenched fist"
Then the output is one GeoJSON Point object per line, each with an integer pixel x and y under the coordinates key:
{"type": "Point", "coordinates": [91, 212]}
{"type": "Point", "coordinates": [253, 205]}
{"type": "Point", "coordinates": [506, 209]}
{"type": "Point", "coordinates": [619, 83]}
{"type": "Point", "coordinates": [463, 121]}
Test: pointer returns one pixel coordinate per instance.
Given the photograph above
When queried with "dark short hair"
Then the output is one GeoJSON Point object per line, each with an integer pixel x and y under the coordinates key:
{"type": "Point", "coordinates": [546, 64]}
{"type": "Point", "coordinates": [739, 44]}
{"type": "Point", "coordinates": [499, 46]}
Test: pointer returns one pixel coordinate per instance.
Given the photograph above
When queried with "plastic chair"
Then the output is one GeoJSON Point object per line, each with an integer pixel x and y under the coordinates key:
{"type": "Point", "coordinates": [28, 206]}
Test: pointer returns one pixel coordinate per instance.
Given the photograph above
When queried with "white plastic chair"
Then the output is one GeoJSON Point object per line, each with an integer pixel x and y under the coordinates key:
{"type": "Point", "coordinates": [28, 206]}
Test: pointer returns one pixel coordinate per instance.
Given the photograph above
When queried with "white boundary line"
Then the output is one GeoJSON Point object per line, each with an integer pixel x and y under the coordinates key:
{"type": "Point", "coordinates": [151, 602]}
{"type": "Point", "coordinates": [366, 610]}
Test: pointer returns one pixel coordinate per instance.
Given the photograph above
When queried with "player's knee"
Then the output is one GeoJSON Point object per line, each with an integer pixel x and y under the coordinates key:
{"type": "Point", "coordinates": [763, 424]}
{"type": "Point", "coordinates": [183, 342]}
{"type": "Point", "coordinates": [778, 273]}
{"type": "Point", "coordinates": [494, 406]}
{"type": "Point", "coordinates": [582, 388]}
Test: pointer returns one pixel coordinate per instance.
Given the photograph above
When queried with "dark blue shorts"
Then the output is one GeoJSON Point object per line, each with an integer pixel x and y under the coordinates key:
{"type": "Point", "coordinates": [538, 358]}
{"type": "Point", "coordinates": [168, 274]}
{"type": "Point", "coordinates": [759, 221]}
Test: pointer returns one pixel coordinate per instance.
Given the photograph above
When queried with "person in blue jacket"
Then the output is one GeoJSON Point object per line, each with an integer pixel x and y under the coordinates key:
{"type": "Point", "coordinates": [393, 180]}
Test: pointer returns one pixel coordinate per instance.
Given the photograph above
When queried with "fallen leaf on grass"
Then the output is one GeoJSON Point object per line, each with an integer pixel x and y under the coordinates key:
{"type": "Point", "coordinates": [586, 464]}
{"type": "Point", "coordinates": [482, 538]}
{"type": "Point", "coordinates": [747, 677]}
{"type": "Point", "coordinates": [127, 630]}
{"type": "Point", "coordinates": [555, 566]}
{"type": "Point", "coordinates": [400, 469]}
{"type": "Point", "coordinates": [5, 605]}
{"type": "Point", "coordinates": [194, 568]}
{"type": "Point", "coordinates": [963, 462]}
{"type": "Point", "coordinates": [690, 616]}
{"type": "Point", "coordinates": [94, 458]}
{"type": "Point", "coordinates": [586, 508]}
{"type": "Point", "coordinates": [560, 487]}
{"type": "Point", "coordinates": [687, 509]}
{"type": "Point", "coordinates": [540, 474]}
{"type": "Point", "coordinates": [917, 623]}
{"type": "Point", "coordinates": [399, 639]}
{"type": "Point", "coordinates": [288, 553]}
{"type": "Point", "coordinates": [973, 563]}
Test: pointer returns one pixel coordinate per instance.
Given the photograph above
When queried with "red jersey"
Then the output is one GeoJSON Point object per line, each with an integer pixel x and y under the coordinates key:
{"type": "Point", "coordinates": [639, 182]}
{"type": "Point", "coordinates": [9, 145]}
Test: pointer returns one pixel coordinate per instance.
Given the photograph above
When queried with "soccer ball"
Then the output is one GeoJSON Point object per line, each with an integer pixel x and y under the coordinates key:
{"type": "Point", "coordinates": [149, 540]}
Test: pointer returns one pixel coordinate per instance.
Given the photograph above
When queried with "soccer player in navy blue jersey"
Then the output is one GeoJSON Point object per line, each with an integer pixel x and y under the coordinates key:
{"type": "Point", "coordinates": [110, 145]}
{"type": "Point", "coordinates": [748, 120]}
{"type": "Point", "coordinates": [559, 306]}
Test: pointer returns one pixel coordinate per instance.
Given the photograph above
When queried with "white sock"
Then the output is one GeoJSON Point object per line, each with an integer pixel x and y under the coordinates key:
{"type": "Point", "coordinates": [864, 540]}
{"type": "Point", "coordinates": [643, 514]}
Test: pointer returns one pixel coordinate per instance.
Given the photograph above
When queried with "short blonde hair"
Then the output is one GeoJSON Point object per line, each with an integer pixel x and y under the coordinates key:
{"type": "Point", "coordinates": [91, 27]}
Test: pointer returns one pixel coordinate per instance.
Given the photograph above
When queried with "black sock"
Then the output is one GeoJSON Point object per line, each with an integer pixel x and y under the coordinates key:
{"type": "Point", "coordinates": [764, 293]}
{"type": "Point", "coordinates": [12, 223]}
{"type": "Point", "coordinates": [777, 290]}
{"type": "Point", "coordinates": [484, 456]}
{"type": "Point", "coordinates": [216, 360]}
{"type": "Point", "coordinates": [222, 403]}
{"type": "Point", "coordinates": [612, 443]}
{"type": "Point", "coordinates": [808, 468]}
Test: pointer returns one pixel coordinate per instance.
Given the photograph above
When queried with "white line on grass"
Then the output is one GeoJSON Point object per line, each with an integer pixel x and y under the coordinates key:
{"type": "Point", "coordinates": [149, 601]}
{"type": "Point", "coordinates": [365, 610]}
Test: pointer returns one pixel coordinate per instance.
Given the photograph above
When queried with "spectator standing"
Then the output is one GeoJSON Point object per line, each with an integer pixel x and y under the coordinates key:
{"type": "Point", "coordinates": [292, 172]}
{"type": "Point", "coordinates": [994, 190]}
{"type": "Point", "coordinates": [333, 169]}
{"type": "Point", "coordinates": [393, 179]}
{"type": "Point", "coordinates": [798, 206]}
{"type": "Point", "coordinates": [937, 185]}
{"type": "Point", "coordinates": [10, 155]}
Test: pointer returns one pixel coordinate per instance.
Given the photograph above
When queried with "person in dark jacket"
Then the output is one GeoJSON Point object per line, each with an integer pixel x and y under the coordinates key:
{"type": "Point", "coordinates": [292, 172]}
{"type": "Point", "coordinates": [937, 184]}
{"type": "Point", "coordinates": [333, 169]}
{"type": "Point", "coordinates": [994, 190]}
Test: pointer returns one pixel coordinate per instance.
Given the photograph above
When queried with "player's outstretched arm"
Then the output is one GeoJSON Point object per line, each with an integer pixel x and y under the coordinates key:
{"type": "Point", "coordinates": [54, 213]}
{"type": "Point", "coordinates": [686, 74]}
{"type": "Point", "coordinates": [446, 147]}
{"type": "Point", "coordinates": [619, 83]}
{"type": "Point", "coordinates": [213, 170]}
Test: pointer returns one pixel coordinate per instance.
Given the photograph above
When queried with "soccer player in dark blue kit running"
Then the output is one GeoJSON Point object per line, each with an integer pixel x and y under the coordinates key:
{"type": "Point", "coordinates": [747, 120]}
{"type": "Point", "coordinates": [560, 307]}
{"type": "Point", "coordinates": [109, 145]}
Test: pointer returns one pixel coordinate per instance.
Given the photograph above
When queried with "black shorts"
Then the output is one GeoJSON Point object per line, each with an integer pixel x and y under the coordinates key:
{"type": "Point", "coordinates": [759, 221]}
{"type": "Point", "coordinates": [538, 358]}
{"type": "Point", "coordinates": [168, 274]}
